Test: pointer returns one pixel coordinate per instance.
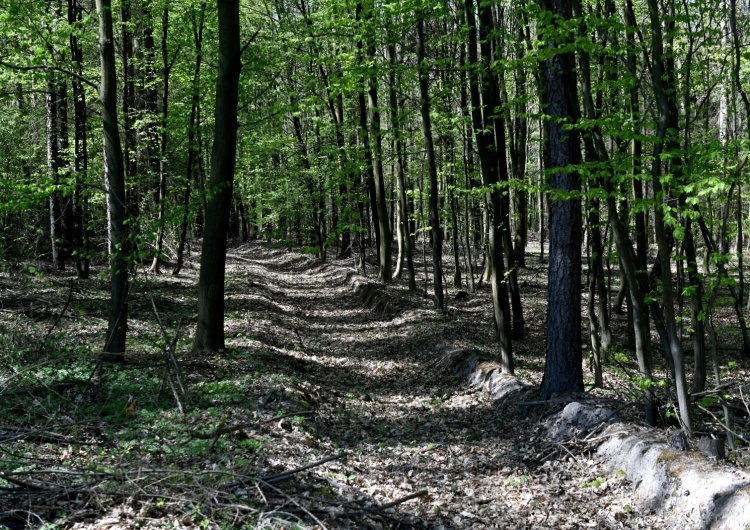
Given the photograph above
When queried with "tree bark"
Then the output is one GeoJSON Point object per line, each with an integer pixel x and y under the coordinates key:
{"type": "Point", "coordinates": [114, 179]}
{"type": "Point", "coordinates": [405, 247]}
{"type": "Point", "coordinates": [210, 331]}
{"type": "Point", "coordinates": [162, 192]}
{"type": "Point", "coordinates": [80, 147]}
{"type": "Point", "coordinates": [563, 370]}
{"type": "Point", "coordinates": [663, 118]}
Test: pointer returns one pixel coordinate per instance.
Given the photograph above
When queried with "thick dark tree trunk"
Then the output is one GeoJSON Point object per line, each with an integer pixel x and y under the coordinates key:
{"type": "Point", "coordinates": [210, 332]}
{"type": "Point", "coordinates": [563, 370]}
{"type": "Point", "coordinates": [114, 177]}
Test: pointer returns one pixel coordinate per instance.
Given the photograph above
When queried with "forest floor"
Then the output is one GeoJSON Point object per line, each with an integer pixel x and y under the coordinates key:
{"type": "Point", "coordinates": [312, 375]}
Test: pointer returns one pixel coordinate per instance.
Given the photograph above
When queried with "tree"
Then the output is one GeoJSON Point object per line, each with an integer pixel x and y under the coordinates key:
{"type": "Point", "coordinates": [437, 233]}
{"type": "Point", "coordinates": [114, 179]}
{"type": "Point", "coordinates": [563, 371]}
{"type": "Point", "coordinates": [210, 331]}
{"type": "Point", "coordinates": [489, 168]}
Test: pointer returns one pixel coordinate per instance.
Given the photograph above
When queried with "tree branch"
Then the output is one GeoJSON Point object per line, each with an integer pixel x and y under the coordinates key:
{"type": "Point", "coordinates": [53, 68]}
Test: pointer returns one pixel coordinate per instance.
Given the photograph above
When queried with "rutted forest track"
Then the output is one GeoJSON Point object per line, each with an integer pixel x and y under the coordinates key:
{"type": "Point", "coordinates": [319, 361]}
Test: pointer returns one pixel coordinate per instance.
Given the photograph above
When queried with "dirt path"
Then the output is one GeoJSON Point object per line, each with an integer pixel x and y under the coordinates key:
{"type": "Point", "coordinates": [318, 361]}
{"type": "Point", "coordinates": [371, 381]}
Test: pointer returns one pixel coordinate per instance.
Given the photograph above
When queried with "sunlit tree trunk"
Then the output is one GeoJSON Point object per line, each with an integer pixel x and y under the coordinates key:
{"type": "Point", "coordinates": [493, 218]}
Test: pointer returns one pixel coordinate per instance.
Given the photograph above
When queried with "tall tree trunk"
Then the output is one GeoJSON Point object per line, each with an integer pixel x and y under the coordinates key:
{"type": "Point", "coordinates": [563, 371]}
{"type": "Point", "coordinates": [519, 138]}
{"type": "Point", "coordinates": [437, 233]}
{"type": "Point", "coordinates": [128, 112]}
{"type": "Point", "coordinates": [210, 332]}
{"type": "Point", "coordinates": [385, 272]}
{"type": "Point", "coordinates": [166, 70]}
{"type": "Point", "coordinates": [494, 117]}
{"type": "Point", "coordinates": [53, 170]}
{"type": "Point", "coordinates": [668, 316]}
{"type": "Point", "coordinates": [403, 210]}
{"type": "Point", "coordinates": [489, 168]}
{"type": "Point", "coordinates": [80, 160]}
{"type": "Point", "coordinates": [193, 152]}
{"type": "Point", "coordinates": [114, 179]}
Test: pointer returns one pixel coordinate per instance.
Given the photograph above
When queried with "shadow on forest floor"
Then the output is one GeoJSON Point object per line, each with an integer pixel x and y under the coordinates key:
{"type": "Point", "coordinates": [309, 371]}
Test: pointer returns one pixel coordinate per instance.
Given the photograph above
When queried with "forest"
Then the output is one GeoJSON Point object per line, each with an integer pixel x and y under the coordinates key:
{"type": "Point", "coordinates": [251, 250]}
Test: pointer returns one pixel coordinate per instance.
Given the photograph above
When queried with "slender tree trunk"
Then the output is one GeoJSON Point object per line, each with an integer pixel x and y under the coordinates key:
{"type": "Point", "coordinates": [193, 153]}
{"type": "Point", "coordinates": [660, 95]}
{"type": "Point", "coordinates": [489, 167]}
{"type": "Point", "coordinates": [405, 246]}
{"type": "Point", "coordinates": [128, 112]}
{"type": "Point", "coordinates": [519, 138]}
{"type": "Point", "coordinates": [53, 170]}
{"type": "Point", "coordinates": [80, 160]}
{"type": "Point", "coordinates": [210, 332]}
{"type": "Point", "coordinates": [385, 272]}
{"type": "Point", "coordinates": [437, 234]}
{"type": "Point", "coordinates": [114, 182]}
{"type": "Point", "coordinates": [166, 70]}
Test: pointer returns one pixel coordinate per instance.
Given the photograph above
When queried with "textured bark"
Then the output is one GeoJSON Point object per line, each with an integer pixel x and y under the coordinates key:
{"type": "Point", "coordinates": [114, 177]}
{"type": "Point", "coordinates": [210, 331]}
{"type": "Point", "coordinates": [385, 272]}
{"type": "Point", "coordinates": [495, 119]}
{"type": "Point", "coordinates": [563, 368]}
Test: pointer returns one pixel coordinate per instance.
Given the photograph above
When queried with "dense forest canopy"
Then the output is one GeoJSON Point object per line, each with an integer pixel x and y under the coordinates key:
{"type": "Point", "coordinates": [606, 134]}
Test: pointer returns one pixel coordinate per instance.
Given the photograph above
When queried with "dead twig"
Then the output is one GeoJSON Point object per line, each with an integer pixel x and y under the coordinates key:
{"type": "Point", "coordinates": [291, 499]}
{"type": "Point", "coordinates": [420, 493]}
{"type": "Point", "coordinates": [59, 317]}
{"type": "Point", "coordinates": [223, 428]}
{"type": "Point", "coordinates": [723, 426]}
{"type": "Point", "coordinates": [170, 359]}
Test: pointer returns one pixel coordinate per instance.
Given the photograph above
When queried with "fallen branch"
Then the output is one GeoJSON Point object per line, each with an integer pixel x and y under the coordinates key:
{"type": "Point", "coordinates": [59, 317]}
{"type": "Point", "coordinates": [291, 499]}
{"type": "Point", "coordinates": [420, 493]}
{"type": "Point", "coordinates": [286, 474]}
{"type": "Point", "coordinates": [724, 427]}
{"type": "Point", "coordinates": [223, 428]}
